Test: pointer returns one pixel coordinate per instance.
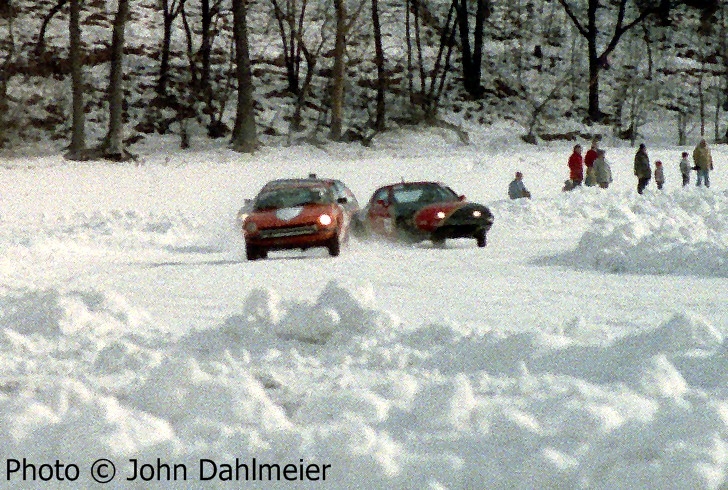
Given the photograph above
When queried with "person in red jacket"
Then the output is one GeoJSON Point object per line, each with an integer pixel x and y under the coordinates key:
{"type": "Point", "coordinates": [589, 158]}
{"type": "Point", "coordinates": [576, 167]}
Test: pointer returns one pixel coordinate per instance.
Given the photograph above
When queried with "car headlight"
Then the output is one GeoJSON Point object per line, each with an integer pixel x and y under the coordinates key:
{"type": "Point", "coordinates": [325, 219]}
{"type": "Point", "coordinates": [477, 214]}
{"type": "Point", "coordinates": [242, 217]}
{"type": "Point", "coordinates": [250, 227]}
{"type": "Point", "coordinates": [440, 215]}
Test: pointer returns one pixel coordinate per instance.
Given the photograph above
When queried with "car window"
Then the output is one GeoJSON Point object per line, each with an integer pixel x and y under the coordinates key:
{"type": "Point", "coordinates": [381, 195]}
{"type": "Point", "coordinates": [423, 193]}
{"type": "Point", "coordinates": [343, 191]}
{"type": "Point", "coordinates": [290, 197]}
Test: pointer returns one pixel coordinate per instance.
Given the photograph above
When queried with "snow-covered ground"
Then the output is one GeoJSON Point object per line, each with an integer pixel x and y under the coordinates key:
{"type": "Point", "coordinates": [585, 347]}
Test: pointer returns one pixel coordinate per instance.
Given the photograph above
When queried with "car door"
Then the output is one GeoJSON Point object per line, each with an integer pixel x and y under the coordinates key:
{"type": "Point", "coordinates": [379, 214]}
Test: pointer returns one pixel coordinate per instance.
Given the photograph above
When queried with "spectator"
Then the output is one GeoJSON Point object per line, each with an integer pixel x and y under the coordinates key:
{"type": "Point", "coordinates": [589, 159]}
{"type": "Point", "coordinates": [685, 169]}
{"type": "Point", "coordinates": [517, 189]}
{"type": "Point", "coordinates": [642, 168]}
{"type": "Point", "coordinates": [576, 167]}
{"type": "Point", "coordinates": [602, 170]}
{"type": "Point", "coordinates": [704, 162]}
{"type": "Point", "coordinates": [659, 174]}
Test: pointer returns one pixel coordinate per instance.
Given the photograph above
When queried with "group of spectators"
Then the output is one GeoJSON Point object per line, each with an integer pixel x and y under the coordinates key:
{"type": "Point", "coordinates": [599, 172]}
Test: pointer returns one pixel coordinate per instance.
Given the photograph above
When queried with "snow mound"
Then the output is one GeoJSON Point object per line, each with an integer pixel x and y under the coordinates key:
{"type": "Point", "coordinates": [683, 332]}
{"type": "Point", "coordinates": [52, 312]}
{"type": "Point", "coordinates": [337, 315]}
{"type": "Point", "coordinates": [47, 415]}
{"type": "Point", "coordinates": [683, 233]}
{"type": "Point", "coordinates": [182, 391]}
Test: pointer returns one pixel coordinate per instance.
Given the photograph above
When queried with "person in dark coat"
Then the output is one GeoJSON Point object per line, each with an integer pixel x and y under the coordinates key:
{"type": "Point", "coordinates": [642, 168]}
{"type": "Point", "coordinates": [703, 162]}
{"type": "Point", "coordinates": [659, 174]}
{"type": "Point", "coordinates": [576, 167]}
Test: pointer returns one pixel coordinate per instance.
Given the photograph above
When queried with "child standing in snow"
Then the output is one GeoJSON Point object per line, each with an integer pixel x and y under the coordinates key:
{"type": "Point", "coordinates": [659, 174]}
{"type": "Point", "coordinates": [685, 168]}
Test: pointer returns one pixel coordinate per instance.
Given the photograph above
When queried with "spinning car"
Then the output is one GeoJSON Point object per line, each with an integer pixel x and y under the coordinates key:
{"type": "Point", "coordinates": [416, 211]}
{"type": "Point", "coordinates": [297, 213]}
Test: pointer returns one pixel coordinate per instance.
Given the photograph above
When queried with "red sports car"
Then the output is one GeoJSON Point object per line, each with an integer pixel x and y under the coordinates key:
{"type": "Point", "coordinates": [415, 211]}
{"type": "Point", "coordinates": [298, 213]}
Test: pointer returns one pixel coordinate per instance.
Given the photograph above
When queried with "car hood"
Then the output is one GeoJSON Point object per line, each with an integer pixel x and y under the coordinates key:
{"type": "Point", "coordinates": [427, 219]}
{"type": "Point", "coordinates": [294, 216]}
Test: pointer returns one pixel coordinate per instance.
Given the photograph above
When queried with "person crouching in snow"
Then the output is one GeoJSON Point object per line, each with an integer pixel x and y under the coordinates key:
{"type": "Point", "coordinates": [517, 189]}
{"type": "Point", "coordinates": [602, 170]}
{"type": "Point", "coordinates": [685, 168]}
{"type": "Point", "coordinates": [659, 174]}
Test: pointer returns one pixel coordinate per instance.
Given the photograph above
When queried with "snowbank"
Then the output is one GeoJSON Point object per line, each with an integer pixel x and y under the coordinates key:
{"type": "Point", "coordinates": [684, 232]}
{"type": "Point", "coordinates": [340, 382]}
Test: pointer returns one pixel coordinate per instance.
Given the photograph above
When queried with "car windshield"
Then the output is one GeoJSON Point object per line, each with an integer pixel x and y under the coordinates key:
{"type": "Point", "coordinates": [291, 197]}
{"type": "Point", "coordinates": [423, 193]}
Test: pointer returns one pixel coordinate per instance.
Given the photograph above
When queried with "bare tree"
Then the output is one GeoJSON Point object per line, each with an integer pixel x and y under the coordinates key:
{"type": "Point", "coordinates": [290, 25]}
{"type": "Point", "coordinates": [591, 32]}
{"type": "Point", "coordinates": [6, 11]}
{"type": "Point", "coordinates": [244, 133]}
{"type": "Point", "coordinates": [40, 44]}
{"type": "Point", "coordinates": [380, 121]}
{"type": "Point", "coordinates": [337, 85]}
{"type": "Point", "coordinates": [77, 148]}
{"type": "Point", "coordinates": [113, 147]}
{"type": "Point", "coordinates": [170, 11]}
{"type": "Point", "coordinates": [472, 58]}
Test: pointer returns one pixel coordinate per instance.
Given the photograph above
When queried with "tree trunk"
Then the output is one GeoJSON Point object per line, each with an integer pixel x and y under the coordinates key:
{"type": "Point", "coordinates": [594, 111]}
{"type": "Point", "coordinates": [244, 132]}
{"type": "Point", "coordinates": [77, 149]}
{"type": "Point", "coordinates": [337, 86]}
{"type": "Point", "coordinates": [114, 148]}
{"type": "Point", "coordinates": [169, 13]}
{"type": "Point", "coordinates": [379, 122]}
{"type": "Point", "coordinates": [472, 58]}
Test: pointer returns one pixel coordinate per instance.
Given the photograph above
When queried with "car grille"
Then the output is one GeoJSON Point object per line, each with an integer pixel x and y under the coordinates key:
{"type": "Point", "coordinates": [288, 231]}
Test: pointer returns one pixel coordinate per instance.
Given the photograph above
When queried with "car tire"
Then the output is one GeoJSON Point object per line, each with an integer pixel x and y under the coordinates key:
{"type": "Point", "coordinates": [334, 246]}
{"type": "Point", "coordinates": [438, 242]}
{"type": "Point", "coordinates": [480, 238]}
{"type": "Point", "coordinates": [254, 253]}
{"type": "Point", "coordinates": [358, 228]}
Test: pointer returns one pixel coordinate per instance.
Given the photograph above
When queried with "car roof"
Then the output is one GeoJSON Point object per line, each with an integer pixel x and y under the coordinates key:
{"type": "Point", "coordinates": [307, 182]}
{"type": "Point", "coordinates": [413, 182]}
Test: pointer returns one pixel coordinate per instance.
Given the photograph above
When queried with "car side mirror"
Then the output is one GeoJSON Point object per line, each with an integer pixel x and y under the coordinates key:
{"type": "Point", "coordinates": [462, 197]}
{"type": "Point", "coordinates": [342, 200]}
{"type": "Point", "coordinates": [247, 201]}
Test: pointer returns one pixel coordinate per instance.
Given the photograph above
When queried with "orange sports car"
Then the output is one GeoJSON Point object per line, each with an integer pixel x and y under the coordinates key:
{"type": "Point", "coordinates": [298, 214]}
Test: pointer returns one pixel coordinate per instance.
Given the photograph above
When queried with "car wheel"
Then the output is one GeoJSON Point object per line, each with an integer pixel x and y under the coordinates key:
{"type": "Point", "coordinates": [438, 241]}
{"type": "Point", "coordinates": [254, 253]}
{"type": "Point", "coordinates": [358, 228]}
{"type": "Point", "coordinates": [480, 238]}
{"type": "Point", "coordinates": [334, 246]}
